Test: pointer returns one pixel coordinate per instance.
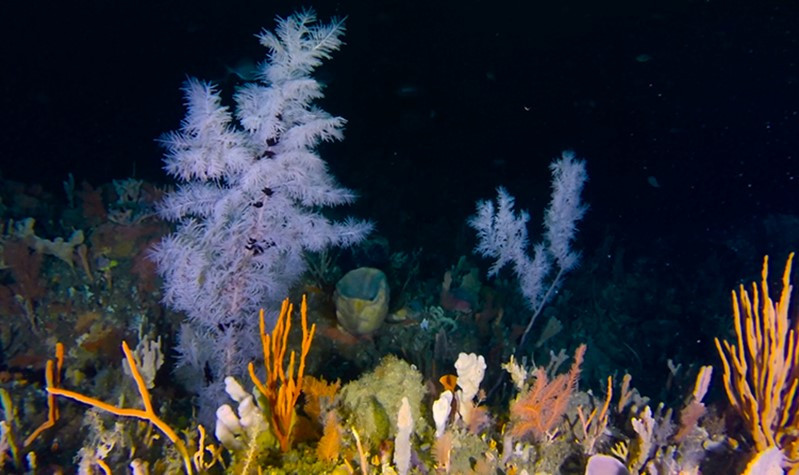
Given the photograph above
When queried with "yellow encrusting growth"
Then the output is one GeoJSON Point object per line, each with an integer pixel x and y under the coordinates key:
{"type": "Point", "coordinates": [761, 371]}
{"type": "Point", "coordinates": [282, 387]}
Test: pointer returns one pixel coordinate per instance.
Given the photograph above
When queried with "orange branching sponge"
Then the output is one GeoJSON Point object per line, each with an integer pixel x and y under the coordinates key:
{"type": "Point", "coordinates": [52, 377]}
{"type": "Point", "coordinates": [761, 371]}
{"type": "Point", "coordinates": [318, 394]}
{"type": "Point", "coordinates": [595, 424]}
{"type": "Point", "coordinates": [282, 387]}
{"type": "Point", "coordinates": [538, 411]}
{"type": "Point", "coordinates": [148, 414]}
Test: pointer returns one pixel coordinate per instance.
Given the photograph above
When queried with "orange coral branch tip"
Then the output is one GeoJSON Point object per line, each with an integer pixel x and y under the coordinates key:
{"type": "Point", "coordinates": [103, 466]}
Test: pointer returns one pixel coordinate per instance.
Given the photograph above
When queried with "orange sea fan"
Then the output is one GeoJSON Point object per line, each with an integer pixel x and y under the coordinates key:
{"type": "Point", "coordinates": [329, 446]}
{"type": "Point", "coordinates": [317, 392]}
{"type": "Point", "coordinates": [539, 410]}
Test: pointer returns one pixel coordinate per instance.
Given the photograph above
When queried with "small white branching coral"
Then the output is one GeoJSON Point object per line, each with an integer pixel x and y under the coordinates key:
{"type": "Point", "coordinates": [502, 235]}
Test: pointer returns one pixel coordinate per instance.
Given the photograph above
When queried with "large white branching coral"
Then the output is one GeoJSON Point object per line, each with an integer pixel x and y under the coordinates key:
{"type": "Point", "coordinates": [251, 192]}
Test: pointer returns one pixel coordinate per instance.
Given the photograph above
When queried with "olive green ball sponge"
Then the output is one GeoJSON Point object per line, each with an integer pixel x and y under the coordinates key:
{"type": "Point", "coordinates": [371, 403]}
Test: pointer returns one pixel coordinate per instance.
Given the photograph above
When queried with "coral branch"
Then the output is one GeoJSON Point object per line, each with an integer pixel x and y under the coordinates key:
{"type": "Point", "coordinates": [539, 410]}
{"type": "Point", "coordinates": [282, 387]}
{"type": "Point", "coordinates": [53, 379]}
{"type": "Point", "coordinates": [761, 372]}
{"type": "Point", "coordinates": [148, 414]}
